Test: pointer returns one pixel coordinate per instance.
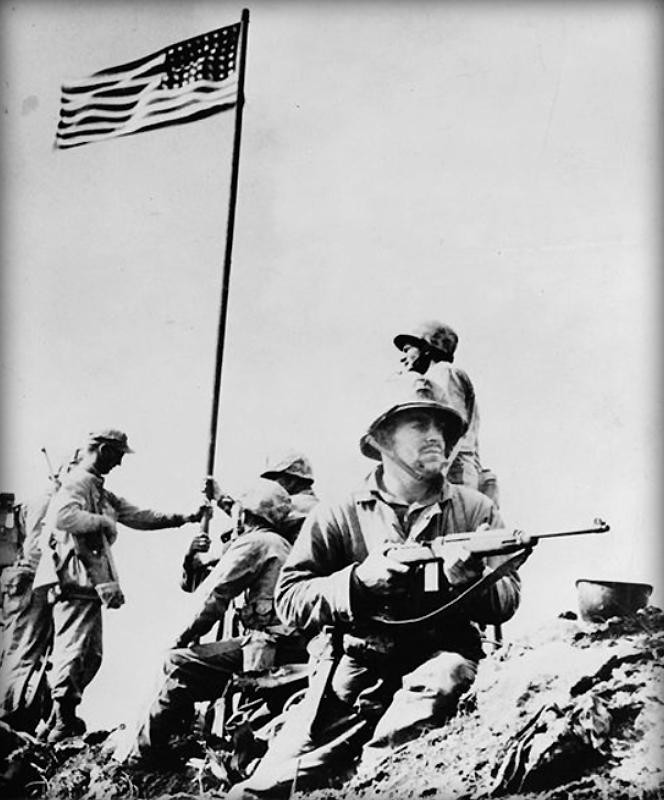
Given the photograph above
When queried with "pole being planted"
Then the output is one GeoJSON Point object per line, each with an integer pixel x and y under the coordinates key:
{"type": "Point", "coordinates": [225, 282]}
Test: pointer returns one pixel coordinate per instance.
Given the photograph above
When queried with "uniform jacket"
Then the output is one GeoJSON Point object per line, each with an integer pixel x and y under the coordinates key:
{"type": "Point", "coordinates": [317, 586]}
{"type": "Point", "coordinates": [248, 571]}
{"type": "Point", "coordinates": [83, 507]}
{"type": "Point", "coordinates": [460, 393]}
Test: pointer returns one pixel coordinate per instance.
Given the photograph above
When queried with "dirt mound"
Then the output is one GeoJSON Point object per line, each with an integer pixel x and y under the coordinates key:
{"type": "Point", "coordinates": [573, 712]}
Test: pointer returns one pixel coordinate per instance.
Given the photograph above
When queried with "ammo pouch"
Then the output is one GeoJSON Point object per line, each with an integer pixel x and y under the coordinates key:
{"type": "Point", "coordinates": [259, 649]}
{"type": "Point", "coordinates": [15, 588]}
{"type": "Point", "coordinates": [258, 614]}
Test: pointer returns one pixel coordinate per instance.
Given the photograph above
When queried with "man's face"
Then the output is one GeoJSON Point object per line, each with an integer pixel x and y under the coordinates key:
{"type": "Point", "coordinates": [414, 359]}
{"type": "Point", "coordinates": [293, 484]}
{"type": "Point", "coordinates": [110, 456]}
{"type": "Point", "coordinates": [417, 437]}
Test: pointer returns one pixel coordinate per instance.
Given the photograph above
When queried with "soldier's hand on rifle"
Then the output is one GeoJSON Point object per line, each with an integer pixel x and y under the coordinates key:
{"type": "Point", "coordinates": [462, 567]}
{"type": "Point", "coordinates": [382, 575]}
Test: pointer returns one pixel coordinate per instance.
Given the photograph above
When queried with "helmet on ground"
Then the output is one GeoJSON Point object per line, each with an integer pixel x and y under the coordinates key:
{"type": "Point", "coordinates": [435, 335]}
{"type": "Point", "coordinates": [290, 463]}
{"type": "Point", "coordinates": [110, 436]}
{"type": "Point", "coordinates": [267, 500]}
{"type": "Point", "coordinates": [408, 391]}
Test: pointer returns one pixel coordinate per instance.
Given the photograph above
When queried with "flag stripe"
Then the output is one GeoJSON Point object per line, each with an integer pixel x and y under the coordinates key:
{"type": "Point", "coordinates": [187, 81]}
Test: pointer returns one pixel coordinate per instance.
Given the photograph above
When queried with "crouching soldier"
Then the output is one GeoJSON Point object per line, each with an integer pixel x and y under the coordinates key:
{"type": "Point", "coordinates": [377, 684]}
{"type": "Point", "coordinates": [196, 672]}
{"type": "Point", "coordinates": [76, 562]}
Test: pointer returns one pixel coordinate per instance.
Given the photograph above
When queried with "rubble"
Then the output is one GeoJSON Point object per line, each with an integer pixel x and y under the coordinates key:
{"type": "Point", "coordinates": [571, 712]}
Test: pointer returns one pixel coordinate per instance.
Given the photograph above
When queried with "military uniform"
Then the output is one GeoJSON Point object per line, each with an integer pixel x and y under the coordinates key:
{"type": "Point", "coordinates": [440, 341]}
{"type": "Point", "coordinates": [84, 508]}
{"type": "Point", "coordinates": [373, 684]}
{"type": "Point", "coordinates": [248, 572]}
{"type": "Point", "coordinates": [27, 630]}
{"type": "Point", "coordinates": [459, 392]}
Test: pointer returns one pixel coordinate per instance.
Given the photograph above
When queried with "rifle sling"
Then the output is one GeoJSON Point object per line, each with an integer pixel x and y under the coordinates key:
{"type": "Point", "coordinates": [481, 584]}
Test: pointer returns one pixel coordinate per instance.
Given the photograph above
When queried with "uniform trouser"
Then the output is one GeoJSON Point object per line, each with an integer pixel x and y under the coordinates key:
{"type": "Point", "coordinates": [195, 674]}
{"type": "Point", "coordinates": [26, 641]}
{"type": "Point", "coordinates": [77, 647]}
{"type": "Point", "coordinates": [363, 714]}
{"type": "Point", "coordinates": [465, 470]}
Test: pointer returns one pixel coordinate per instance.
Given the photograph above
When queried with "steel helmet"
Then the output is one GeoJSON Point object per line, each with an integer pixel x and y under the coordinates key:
{"type": "Point", "coordinates": [267, 500]}
{"type": "Point", "coordinates": [290, 463]}
{"type": "Point", "coordinates": [436, 335]}
{"type": "Point", "coordinates": [409, 390]}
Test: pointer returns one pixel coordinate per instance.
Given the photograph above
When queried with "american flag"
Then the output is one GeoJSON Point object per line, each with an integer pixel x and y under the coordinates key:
{"type": "Point", "coordinates": [181, 83]}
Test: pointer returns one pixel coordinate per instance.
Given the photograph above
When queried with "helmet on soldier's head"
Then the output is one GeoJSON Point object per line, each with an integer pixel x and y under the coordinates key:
{"type": "Point", "coordinates": [267, 500]}
{"type": "Point", "coordinates": [290, 463]}
{"type": "Point", "coordinates": [404, 392]}
{"type": "Point", "coordinates": [435, 335]}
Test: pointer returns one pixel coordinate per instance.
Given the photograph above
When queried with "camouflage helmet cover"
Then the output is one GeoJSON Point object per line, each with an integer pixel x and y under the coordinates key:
{"type": "Point", "coordinates": [267, 500]}
{"type": "Point", "coordinates": [408, 391]}
{"type": "Point", "coordinates": [433, 333]}
{"type": "Point", "coordinates": [290, 463]}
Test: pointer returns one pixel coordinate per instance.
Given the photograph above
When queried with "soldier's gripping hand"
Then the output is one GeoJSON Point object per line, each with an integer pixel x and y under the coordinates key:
{"type": "Point", "coordinates": [382, 575]}
{"type": "Point", "coordinates": [199, 544]}
{"type": "Point", "coordinates": [462, 567]}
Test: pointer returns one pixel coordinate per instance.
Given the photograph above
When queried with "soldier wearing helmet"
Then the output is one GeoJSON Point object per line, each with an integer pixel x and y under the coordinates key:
{"type": "Point", "coordinates": [376, 685]}
{"type": "Point", "coordinates": [246, 574]}
{"type": "Point", "coordinates": [428, 349]}
{"type": "Point", "coordinates": [293, 472]}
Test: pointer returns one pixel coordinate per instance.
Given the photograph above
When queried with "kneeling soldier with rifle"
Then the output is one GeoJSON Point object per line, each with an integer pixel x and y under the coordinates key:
{"type": "Point", "coordinates": [396, 648]}
{"type": "Point", "coordinates": [393, 581]}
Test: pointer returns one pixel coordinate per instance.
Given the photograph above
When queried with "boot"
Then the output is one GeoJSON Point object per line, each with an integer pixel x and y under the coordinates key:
{"type": "Point", "coordinates": [65, 722]}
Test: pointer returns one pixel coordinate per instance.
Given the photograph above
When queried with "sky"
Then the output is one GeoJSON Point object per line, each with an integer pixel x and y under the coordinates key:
{"type": "Point", "coordinates": [494, 165]}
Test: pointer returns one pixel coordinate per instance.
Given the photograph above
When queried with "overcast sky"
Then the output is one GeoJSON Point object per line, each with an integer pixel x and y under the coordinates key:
{"type": "Point", "coordinates": [495, 165]}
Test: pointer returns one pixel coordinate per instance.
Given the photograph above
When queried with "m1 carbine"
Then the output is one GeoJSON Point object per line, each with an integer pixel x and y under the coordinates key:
{"type": "Point", "coordinates": [427, 581]}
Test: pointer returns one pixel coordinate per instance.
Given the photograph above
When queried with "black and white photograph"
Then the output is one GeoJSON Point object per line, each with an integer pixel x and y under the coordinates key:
{"type": "Point", "coordinates": [331, 400]}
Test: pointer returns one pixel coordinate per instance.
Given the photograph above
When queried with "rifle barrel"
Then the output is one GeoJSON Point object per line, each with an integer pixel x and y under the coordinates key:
{"type": "Point", "coordinates": [599, 527]}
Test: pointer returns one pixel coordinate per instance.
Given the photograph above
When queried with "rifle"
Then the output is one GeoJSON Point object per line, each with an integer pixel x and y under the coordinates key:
{"type": "Point", "coordinates": [499, 541]}
{"type": "Point", "coordinates": [52, 475]}
{"type": "Point", "coordinates": [425, 560]}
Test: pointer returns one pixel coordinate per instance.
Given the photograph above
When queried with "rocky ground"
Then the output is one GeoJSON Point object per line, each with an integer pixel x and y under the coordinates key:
{"type": "Point", "coordinates": [573, 712]}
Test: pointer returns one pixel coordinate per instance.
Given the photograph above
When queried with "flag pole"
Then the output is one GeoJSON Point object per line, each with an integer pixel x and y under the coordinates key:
{"type": "Point", "coordinates": [225, 282]}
